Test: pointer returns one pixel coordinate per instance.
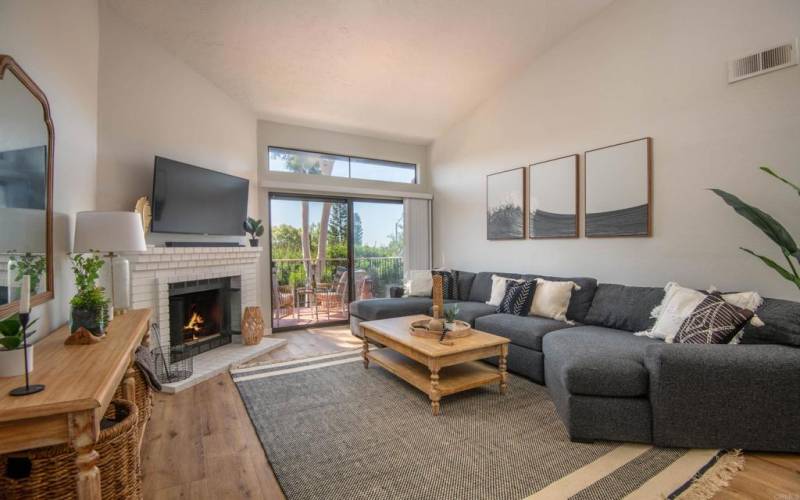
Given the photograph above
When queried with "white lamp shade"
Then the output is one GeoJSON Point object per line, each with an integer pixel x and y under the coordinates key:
{"type": "Point", "coordinates": [108, 232]}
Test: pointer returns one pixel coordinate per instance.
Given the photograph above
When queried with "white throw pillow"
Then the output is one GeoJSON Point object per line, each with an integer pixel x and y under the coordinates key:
{"type": "Point", "coordinates": [551, 298]}
{"type": "Point", "coordinates": [498, 289]}
{"type": "Point", "coordinates": [678, 304]}
{"type": "Point", "coordinates": [419, 283]}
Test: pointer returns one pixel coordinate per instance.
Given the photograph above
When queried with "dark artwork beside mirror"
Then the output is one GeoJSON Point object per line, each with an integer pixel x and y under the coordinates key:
{"type": "Point", "coordinates": [26, 175]}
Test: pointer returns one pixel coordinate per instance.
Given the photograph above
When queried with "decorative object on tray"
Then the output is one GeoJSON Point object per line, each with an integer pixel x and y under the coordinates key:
{"type": "Point", "coordinates": [255, 229]}
{"type": "Point", "coordinates": [111, 232]}
{"type": "Point", "coordinates": [618, 189]}
{"type": "Point", "coordinates": [506, 205]}
{"type": "Point", "coordinates": [553, 198]}
{"type": "Point", "coordinates": [145, 211]}
{"type": "Point", "coordinates": [24, 318]}
{"type": "Point", "coordinates": [448, 282]}
{"type": "Point", "coordinates": [82, 336]}
{"type": "Point", "coordinates": [435, 329]}
{"type": "Point", "coordinates": [89, 305]}
{"type": "Point", "coordinates": [252, 325]}
{"type": "Point", "coordinates": [772, 228]}
{"type": "Point", "coordinates": [12, 363]}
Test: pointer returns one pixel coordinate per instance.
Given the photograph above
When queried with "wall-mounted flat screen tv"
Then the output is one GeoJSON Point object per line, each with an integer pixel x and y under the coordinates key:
{"type": "Point", "coordinates": [194, 200]}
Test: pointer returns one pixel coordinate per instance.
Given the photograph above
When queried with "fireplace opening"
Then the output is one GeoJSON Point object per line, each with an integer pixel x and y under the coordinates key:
{"type": "Point", "coordinates": [201, 315]}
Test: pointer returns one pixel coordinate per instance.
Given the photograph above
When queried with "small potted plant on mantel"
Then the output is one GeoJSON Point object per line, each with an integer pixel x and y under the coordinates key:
{"type": "Point", "coordinates": [12, 363]}
{"type": "Point", "coordinates": [255, 229]}
{"type": "Point", "coordinates": [89, 305]}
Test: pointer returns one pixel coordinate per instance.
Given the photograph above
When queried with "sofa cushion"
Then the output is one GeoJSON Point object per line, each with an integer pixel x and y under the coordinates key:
{"type": "Point", "coordinates": [781, 324]}
{"type": "Point", "coordinates": [464, 281]}
{"type": "Point", "coordinates": [598, 361]}
{"type": "Point", "coordinates": [469, 311]}
{"type": "Point", "coordinates": [580, 301]}
{"type": "Point", "coordinates": [481, 289]}
{"type": "Point", "coordinates": [624, 307]}
{"type": "Point", "coordinates": [390, 308]}
{"type": "Point", "coordinates": [525, 331]}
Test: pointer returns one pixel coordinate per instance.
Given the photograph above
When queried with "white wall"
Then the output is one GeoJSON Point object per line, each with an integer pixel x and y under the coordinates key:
{"type": "Point", "coordinates": [641, 68]}
{"type": "Point", "coordinates": [151, 103]}
{"type": "Point", "coordinates": [56, 43]}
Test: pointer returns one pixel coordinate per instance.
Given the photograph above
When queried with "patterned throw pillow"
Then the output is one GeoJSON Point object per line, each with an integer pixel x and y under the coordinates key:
{"type": "Point", "coordinates": [518, 297]}
{"type": "Point", "coordinates": [448, 283]}
{"type": "Point", "coordinates": [713, 321]}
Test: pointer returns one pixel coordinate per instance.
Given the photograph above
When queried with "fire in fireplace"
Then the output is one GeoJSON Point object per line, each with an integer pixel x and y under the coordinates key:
{"type": "Point", "coordinates": [201, 315]}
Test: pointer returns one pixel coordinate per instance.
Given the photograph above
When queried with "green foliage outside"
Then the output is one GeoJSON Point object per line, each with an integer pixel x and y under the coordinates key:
{"type": "Point", "coordinates": [32, 265]}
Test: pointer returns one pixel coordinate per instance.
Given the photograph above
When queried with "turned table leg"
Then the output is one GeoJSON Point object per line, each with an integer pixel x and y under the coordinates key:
{"type": "Point", "coordinates": [129, 382]}
{"type": "Point", "coordinates": [502, 366]}
{"type": "Point", "coordinates": [435, 396]}
{"type": "Point", "coordinates": [365, 349]}
{"type": "Point", "coordinates": [83, 432]}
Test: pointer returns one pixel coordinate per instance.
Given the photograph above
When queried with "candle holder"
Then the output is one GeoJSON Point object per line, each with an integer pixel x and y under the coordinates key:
{"type": "Point", "coordinates": [27, 388]}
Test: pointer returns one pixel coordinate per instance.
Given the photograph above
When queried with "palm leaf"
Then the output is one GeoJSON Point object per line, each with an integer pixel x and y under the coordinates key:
{"type": "Point", "coordinates": [10, 326]}
{"type": "Point", "coordinates": [777, 267]}
{"type": "Point", "coordinates": [762, 220]}
{"type": "Point", "coordinates": [785, 181]}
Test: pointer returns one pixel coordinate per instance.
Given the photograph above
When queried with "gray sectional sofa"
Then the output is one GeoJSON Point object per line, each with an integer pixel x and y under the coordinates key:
{"type": "Point", "coordinates": [608, 384]}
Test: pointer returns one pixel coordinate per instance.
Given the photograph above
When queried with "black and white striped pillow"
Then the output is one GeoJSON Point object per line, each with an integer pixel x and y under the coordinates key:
{"type": "Point", "coordinates": [713, 321]}
{"type": "Point", "coordinates": [518, 298]}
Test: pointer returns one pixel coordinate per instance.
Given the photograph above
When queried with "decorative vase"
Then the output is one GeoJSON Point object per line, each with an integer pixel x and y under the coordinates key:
{"type": "Point", "coordinates": [89, 319]}
{"type": "Point", "coordinates": [252, 326]}
{"type": "Point", "coordinates": [253, 242]}
{"type": "Point", "coordinates": [12, 364]}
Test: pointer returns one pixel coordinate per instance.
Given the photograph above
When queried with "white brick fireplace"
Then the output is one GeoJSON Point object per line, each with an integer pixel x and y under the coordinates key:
{"type": "Point", "coordinates": [152, 273]}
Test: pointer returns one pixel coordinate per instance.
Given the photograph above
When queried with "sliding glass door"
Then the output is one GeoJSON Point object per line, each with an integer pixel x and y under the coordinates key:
{"type": "Point", "coordinates": [327, 251]}
{"type": "Point", "coordinates": [378, 245]}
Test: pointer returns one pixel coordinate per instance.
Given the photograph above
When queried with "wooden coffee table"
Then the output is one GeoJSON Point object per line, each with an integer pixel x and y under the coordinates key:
{"type": "Point", "coordinates": [436, 369]}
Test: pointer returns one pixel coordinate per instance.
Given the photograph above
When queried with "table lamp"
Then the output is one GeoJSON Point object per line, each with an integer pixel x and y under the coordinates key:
{"type": "Point", "coordinates": [111, 232]}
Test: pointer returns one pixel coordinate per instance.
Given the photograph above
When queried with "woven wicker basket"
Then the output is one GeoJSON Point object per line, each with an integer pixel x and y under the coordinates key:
{"type": "Point", "coordinates": [53, 472]}
{"type": "Point", "coordinates": [143, 398]}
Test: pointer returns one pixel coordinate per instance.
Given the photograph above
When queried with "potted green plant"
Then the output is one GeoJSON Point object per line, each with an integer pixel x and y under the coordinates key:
{"type": "Point", "coordinates": [30, 264]}
{"type": "Point", "coordinates": [773, 229]}
{"type": "Point", "coordinates": [450, 313]}
{"type": "Point", "coordinates": [89, 305]}
{"type": "Point", "coordinates": [255, 229]}
{"type": "Point", "coordinates": [11, 361]}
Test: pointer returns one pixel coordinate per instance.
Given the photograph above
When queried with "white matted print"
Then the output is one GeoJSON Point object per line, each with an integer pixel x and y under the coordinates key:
{"type": "Point", "coordinates": [506, 205]}
{"type": "Point", "coordinates": [553, 198]}
{"type": "Point", "coordinates": [618, 188]}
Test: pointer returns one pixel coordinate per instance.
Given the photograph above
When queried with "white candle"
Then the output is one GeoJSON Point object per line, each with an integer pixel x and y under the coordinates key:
{"type": "Point", "coordinates": [25, 297]}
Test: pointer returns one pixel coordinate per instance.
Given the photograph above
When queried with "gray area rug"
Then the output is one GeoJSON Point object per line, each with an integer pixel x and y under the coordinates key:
{"type": "Point", "coordinates": [333, 430]}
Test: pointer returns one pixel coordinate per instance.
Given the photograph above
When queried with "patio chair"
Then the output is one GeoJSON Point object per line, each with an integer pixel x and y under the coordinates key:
{"type": "Point", "coordinates": [282, 299]}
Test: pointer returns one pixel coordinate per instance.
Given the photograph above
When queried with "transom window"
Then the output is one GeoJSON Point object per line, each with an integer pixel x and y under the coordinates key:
{"type": "Point", "coordinates": [311, 163]}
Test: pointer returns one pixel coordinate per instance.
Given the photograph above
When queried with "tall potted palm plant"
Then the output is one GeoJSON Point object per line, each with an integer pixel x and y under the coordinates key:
{"type": "Point", "coordinates": [772, 228]}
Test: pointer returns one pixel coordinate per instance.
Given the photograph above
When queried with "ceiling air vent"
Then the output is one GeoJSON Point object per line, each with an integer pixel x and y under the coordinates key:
{"type": "Point", "coordinates": [763, 62]}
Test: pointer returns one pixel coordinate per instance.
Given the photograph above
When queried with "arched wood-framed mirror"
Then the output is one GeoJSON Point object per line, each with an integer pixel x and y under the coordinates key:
{"type": "Point", "coordinates": [26, 188]}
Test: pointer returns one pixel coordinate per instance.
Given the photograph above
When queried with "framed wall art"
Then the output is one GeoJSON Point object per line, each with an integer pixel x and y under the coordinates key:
{"type": "Point", "coordinates": [553, 198]}
{"type": "Point", "coordinates": [506, 205]}
{"type": "Point", "coordinates": [619, 190]}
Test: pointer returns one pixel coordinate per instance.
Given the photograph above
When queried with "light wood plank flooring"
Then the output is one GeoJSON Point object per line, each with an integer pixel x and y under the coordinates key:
{"type": "Point", "coordinates": [201, 445]}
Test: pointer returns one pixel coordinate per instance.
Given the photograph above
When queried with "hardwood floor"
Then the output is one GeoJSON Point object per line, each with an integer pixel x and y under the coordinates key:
{"type": "Point", "coordinates": [201, 445]}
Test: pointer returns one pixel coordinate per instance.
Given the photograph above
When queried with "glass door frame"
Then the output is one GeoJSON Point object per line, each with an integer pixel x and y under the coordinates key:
{"type": "Point", "coordinates": [350, 201]}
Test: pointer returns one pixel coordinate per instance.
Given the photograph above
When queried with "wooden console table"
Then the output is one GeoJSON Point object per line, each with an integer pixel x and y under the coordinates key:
{"type": "Point", "coordinates": [80, 381]}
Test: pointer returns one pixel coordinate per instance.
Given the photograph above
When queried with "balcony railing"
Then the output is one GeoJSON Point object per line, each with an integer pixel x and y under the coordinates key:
{"type": "Point", "coordinates": [382, 271]}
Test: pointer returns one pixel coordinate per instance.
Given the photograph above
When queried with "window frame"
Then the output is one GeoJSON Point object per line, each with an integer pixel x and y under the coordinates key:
{"type": "Point", "coordinates": [350, 158]}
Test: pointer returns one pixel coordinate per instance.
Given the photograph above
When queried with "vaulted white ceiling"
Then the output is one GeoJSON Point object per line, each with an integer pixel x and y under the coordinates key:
{"type": "Point", "coordinates": [402, 69]}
